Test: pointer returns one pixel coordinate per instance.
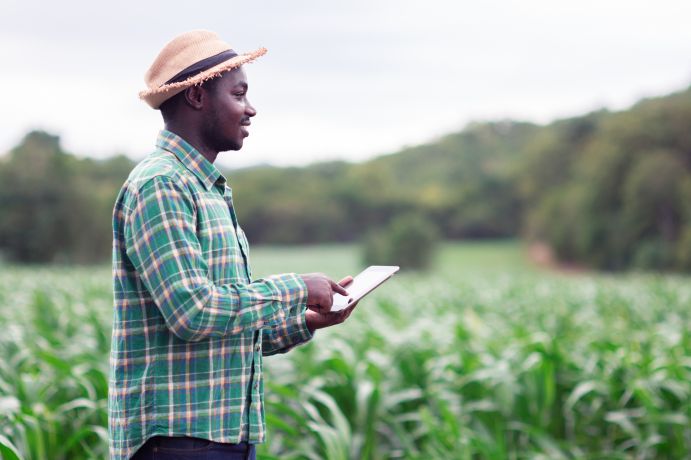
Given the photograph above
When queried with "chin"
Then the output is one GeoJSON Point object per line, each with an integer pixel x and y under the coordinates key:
{"type": "Point", "coordinates": [232, 145]}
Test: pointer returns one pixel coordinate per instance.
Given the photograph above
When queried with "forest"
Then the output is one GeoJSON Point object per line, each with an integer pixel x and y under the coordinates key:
{"type": "Point", "coordinates": [606, 190]}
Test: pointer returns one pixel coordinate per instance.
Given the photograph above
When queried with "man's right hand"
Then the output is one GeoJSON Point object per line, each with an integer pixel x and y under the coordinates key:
{"type": "Point", "coordinates": [320, 291]}
{"type": "Point", "coordinates": [316, 320]}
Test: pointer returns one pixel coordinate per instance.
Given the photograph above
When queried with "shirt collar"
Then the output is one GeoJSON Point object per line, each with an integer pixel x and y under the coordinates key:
{"type": "Point", "coordinates": [190, 157]}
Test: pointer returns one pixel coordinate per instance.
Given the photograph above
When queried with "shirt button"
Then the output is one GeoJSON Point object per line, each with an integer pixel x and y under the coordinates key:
{"type": "Point", "coordinates": [258, 347]}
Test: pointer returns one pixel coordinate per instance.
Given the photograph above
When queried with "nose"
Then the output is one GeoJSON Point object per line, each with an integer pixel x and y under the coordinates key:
{"type": "Point", "coordinates": [250, 111]}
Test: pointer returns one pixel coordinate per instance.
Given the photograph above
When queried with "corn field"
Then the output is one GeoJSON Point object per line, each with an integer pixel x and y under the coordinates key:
{"type": "Point", "coordinates": [483, 358]}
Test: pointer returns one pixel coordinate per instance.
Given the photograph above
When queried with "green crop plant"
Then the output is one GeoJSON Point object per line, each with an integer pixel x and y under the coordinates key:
{"type": "Point", "coordinates": [482, 358]}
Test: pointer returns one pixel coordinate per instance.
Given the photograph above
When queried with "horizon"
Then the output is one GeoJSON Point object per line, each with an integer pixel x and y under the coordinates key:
{"type": "Point", "coordinates": [402, 148]}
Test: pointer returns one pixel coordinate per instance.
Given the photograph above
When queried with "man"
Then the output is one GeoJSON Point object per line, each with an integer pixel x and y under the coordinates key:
{"type": "Point", "coordinates": [190, 324]}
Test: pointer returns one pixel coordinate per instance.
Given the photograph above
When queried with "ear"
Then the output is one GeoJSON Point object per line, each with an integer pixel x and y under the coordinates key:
{"type": "Point", "coordinates": [194, 97]}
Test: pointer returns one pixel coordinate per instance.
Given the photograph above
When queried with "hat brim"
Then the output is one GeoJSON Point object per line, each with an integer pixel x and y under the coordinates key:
{"type": "Point", "coordinates": [157, 96]}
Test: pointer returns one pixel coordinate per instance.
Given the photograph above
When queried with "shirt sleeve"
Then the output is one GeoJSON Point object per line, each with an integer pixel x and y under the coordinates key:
{"type": "Point", "coordinates": [286, 334]}
{"type": "Point", "coordinates": [162, 244]}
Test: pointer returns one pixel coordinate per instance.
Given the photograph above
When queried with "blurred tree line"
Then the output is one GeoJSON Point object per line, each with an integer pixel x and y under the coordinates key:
{"type": "Point", "coordinates": [607, 190]}
{"type": "Point", "coordinates": [55, 207]}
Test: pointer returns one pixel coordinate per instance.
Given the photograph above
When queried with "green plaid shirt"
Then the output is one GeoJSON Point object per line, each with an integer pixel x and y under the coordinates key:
{"type": "Point", "coordinates": [190, 326]}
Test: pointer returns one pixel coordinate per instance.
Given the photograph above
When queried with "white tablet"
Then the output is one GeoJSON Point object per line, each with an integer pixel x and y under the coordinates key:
{"type": "Point", "coordinates": [363, 284]}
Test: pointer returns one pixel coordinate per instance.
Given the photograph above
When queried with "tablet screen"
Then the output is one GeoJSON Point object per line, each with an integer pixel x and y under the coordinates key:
{"type": "Point", "coordinates": [363, 284]}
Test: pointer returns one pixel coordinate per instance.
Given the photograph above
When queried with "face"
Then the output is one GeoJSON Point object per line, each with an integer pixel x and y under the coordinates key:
{"type": "Point", "coordinates": [227, 116]}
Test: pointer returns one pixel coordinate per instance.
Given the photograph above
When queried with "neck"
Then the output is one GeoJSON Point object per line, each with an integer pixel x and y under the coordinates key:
{"type": "Point", "coordinates": [194, 138]}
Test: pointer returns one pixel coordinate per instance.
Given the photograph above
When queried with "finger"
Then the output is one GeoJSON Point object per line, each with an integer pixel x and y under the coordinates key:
{"type": "Point", "coordinates": [338, 288]}
{"type": "Point", "coordinates": [346, 281]}
{"type": "Point", "coordinates": [337, 317]}
{"type": "Point", "coordinates": [341, 315]}
{"type": "Point", "coordinates": [351, 308]}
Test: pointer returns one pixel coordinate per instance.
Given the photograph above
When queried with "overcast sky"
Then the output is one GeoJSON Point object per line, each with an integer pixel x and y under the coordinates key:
{"type": "Point", "coordinates": [347, 80]}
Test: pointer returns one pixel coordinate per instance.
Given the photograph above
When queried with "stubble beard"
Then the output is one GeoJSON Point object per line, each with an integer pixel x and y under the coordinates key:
{"type": "Point", "coordinates": [213, 132]}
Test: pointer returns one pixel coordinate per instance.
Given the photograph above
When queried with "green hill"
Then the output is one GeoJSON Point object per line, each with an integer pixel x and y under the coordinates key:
{"type": "Point", "coordinates": [610, 190]}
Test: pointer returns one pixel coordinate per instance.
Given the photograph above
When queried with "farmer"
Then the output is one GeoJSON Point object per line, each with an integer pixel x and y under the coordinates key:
{"type": "Point", "coordinates": [190, 324]}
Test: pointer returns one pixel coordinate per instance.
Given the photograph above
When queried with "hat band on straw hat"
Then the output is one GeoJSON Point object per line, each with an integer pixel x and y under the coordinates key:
{"type": "Point", "coordinates": [201, 66]}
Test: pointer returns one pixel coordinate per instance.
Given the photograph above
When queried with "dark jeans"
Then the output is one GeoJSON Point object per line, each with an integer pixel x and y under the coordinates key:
{"type": "Point", "coordinates": [183, 448]}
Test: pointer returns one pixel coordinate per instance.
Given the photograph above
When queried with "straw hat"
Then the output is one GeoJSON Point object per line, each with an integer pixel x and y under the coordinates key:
{"type": "Point", "coordinates": [190, 59]}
